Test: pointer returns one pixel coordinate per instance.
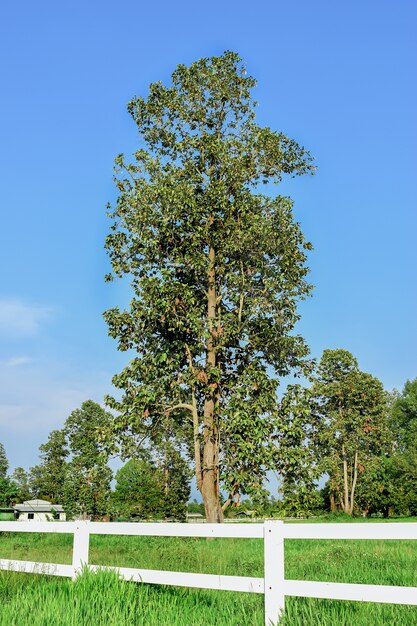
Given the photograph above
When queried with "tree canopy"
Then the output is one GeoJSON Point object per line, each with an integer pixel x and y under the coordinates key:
{"type": "Point", "coordinates": [355, 431]}
{"type": "Point", "coordinates": [73, 470]}
{"type": "Point", "coordinates": [217, 268]}
{"type": "Point", "coordinates": [47, 480]}
{"type": "Point", "coordinates": [404, 425]}
{"type": "Point", "coordinates": [88, 477]}
{"type": "Point", "coordinates": [4, 463]}
{"type": "Point", "coordinates": [149, 488]}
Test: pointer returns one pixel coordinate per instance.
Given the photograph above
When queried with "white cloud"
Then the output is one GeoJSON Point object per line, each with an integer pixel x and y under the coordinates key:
{"type": "Point", "coordinates": [21, 319]}
{"type": "Point", "coordinates": [33, 400]}
{"type": "Point", "coordinates": [36, 400]}
{"type": "Point", "coordinates": [16, 361]}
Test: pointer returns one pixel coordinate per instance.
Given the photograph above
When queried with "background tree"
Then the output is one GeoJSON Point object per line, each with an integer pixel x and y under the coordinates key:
{"type": "Point", "coordinates": [404, 425]}
{"type": "Point", "coordinates": [217, 269]}
{"type": "Point", "coordinates": [297, 453]}
{"type": "Point", "coordinates": [4, 464]}
{"type": "Point", "coordinates": [138, 490]}
{"type": "Point", "coordinates": [355, 431]}
{"type": "Point", "coordinates": [175, 475]}
{"type": "Point", "coordinates": [47, 480]}
{"type": "Point", "coordinates": [195, 507]}
{"type": "Point", "coordinates": [21, 479]}
{"type": "Point", "coordinates": [148, 489]}
{"type": "Point", "coordinates": [88, 477]}
{"type": "Point", "coordinates": [9, 491]}
{"type": "Point", "coordinates": [377, 491]}
{"type": "Point", "coordinates": [8, 488]}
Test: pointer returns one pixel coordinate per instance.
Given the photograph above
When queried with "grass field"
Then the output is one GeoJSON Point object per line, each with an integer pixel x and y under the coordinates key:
{"type": "Point", "coordinates": [103, 600]}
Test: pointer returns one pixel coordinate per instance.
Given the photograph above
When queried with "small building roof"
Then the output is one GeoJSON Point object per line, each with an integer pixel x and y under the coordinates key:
{"type": "Point", "coordinates": [38, 506]}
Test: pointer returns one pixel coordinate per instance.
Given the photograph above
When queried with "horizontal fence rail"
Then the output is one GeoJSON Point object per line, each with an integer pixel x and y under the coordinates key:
{"type": "Point", "coordinates": [242, 531]}
{"type": "Point", "coordinates": [365, 530]}
{"type": "Point", "coordinates": [273, 532]}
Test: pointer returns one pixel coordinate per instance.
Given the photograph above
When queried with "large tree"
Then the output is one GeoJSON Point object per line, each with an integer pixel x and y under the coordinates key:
{"type": "Point", "coordinates": [216, 267]}
{"type": "Point", "coordinates": [355, 430]}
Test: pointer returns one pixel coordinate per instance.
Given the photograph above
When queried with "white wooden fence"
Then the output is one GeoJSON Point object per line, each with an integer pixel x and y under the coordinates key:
{"type": "Point", "coordinates": [272, 585]}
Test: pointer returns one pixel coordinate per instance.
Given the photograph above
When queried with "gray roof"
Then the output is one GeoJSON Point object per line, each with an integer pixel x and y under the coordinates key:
{"type": "Point", "coordinates": [38, 506]}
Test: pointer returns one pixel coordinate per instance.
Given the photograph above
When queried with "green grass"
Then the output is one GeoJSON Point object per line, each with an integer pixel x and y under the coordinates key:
{"type": "Point", "coordinates": [105, 600]}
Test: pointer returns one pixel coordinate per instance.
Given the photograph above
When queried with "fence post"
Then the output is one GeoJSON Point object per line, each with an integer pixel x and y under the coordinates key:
{"type": "Point", "coordinates": [80, 547]}
{"type": "Point", "coordinates": [274, 571]}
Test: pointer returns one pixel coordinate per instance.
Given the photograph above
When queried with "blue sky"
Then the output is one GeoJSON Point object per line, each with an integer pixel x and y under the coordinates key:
{"type": "Point", "coordinates": [337, 77]}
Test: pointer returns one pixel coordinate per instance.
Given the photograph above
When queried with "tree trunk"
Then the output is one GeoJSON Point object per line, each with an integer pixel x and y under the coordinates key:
{"type": "Point", "coordinates": [345, 482]}
{"type": "Point", "coordinates": [210, 484]}
{"type": "Point", "coordinates": [355, 478]}
{"type": "Point", "coordinates": [166, 473]}
{"type": "Point", "coordinates": [210, 470]}
{"type": "Point", "coordinates": [387, 511]}
{"type": "Point", "coordinates": [333, 506]}
{"type": "Point", "coordinates": [197, 449]}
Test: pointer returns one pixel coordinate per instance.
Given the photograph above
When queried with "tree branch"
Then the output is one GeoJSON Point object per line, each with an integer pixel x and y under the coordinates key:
{"type": "Point", "coordinates": [196, 433]}
{"type": "Point", "coordinates": [355, 478]}
{"type": "Point", "coordinates": [181, 405]}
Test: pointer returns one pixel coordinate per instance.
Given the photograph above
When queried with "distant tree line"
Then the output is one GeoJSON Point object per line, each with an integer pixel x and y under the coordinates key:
{"type": "Point", "coordinates": [346, 431]}
{"type": "Point", "coordinates": [358, 437]}
{"type": "Point", "coordinates": [74, 471]}
{"type": "Point", "coordinates": [344, 445]}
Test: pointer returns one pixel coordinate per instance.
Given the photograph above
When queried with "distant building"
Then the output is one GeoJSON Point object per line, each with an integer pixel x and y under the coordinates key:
{"type": "Point", "coordinates": [39, 511]}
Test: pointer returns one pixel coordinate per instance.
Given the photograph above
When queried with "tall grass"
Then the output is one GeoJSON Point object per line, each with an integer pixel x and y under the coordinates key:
{"type": "Point", "coordinates": [103, 600]}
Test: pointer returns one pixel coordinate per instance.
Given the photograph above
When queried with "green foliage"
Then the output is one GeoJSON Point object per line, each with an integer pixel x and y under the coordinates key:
{"type": "Point", "coordinates": [300, 500]}
{"type": "Point", "coordinates": [353, 407]}
{"type": "Point", "coordinates": [176, 481]}
{"type": "Point", "coordinates": [47, 480]}
{"type": "Point", "coordinates": [9, 491]}
{"type": "Point", "coordinates": [216, 268]}
{"type": "Point", "coordinates": [296, 453]}
{"type": "Point", "coordinates": [195, 507]}
{"type": "Point", "coordinates": [73, 470]}
{"type": "Point", "coordinates": [8, 488]}
{"type": "Point", "coordinates": [88, 477]}
{"type": "Point", "coordinates": [377, 492]}
{"type": "Point", "coordinates": [21, 479]}
{"type": "Point", "coordinates": [153, 490]}
{"type": "Point", "coordinates": [4, 464]}
{"type": "Point", "coordinates": [404, 424]}
{"type": "Point", "coordinates": [138, 491]}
